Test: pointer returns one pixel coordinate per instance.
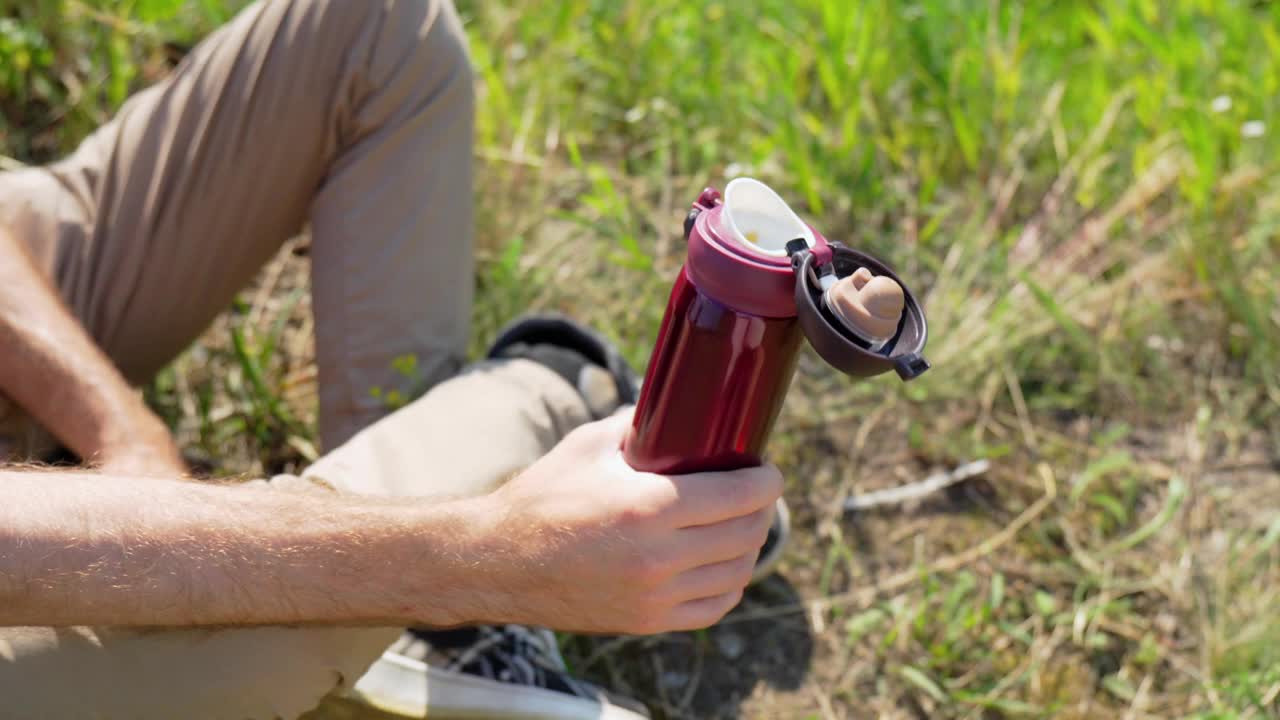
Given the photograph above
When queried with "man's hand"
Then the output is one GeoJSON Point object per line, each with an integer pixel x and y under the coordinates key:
{"type": "Point", "coordinates": [580, 541]}
{"type": "Point", "coordinates": [52, 369]}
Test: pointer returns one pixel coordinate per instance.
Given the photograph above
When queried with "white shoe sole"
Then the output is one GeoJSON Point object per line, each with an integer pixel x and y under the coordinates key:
{"type": "Point", "coordinates": [406, 688]}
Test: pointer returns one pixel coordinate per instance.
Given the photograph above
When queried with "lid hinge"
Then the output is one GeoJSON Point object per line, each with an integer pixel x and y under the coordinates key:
{"type": "Point", "coordinates": [707, 199]}
{"type": "Point", "coordinates": [798, 248]}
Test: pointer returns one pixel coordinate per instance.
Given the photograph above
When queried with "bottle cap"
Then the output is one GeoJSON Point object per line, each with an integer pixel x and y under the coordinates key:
{"type": "Point", "coordinates": [748, 250]}
{"type": "Point", "coordinates": [856, 312]}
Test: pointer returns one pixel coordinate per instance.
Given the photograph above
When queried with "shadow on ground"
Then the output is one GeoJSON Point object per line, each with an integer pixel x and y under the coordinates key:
{"type": "Point", "coordinates": [765, 641]}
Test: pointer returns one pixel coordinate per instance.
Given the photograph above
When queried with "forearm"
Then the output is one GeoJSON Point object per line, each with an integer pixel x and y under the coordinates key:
{"type": "Point", "coordinates": [51, 367]}
{"type": "Point", "coordinates": [88, 549]}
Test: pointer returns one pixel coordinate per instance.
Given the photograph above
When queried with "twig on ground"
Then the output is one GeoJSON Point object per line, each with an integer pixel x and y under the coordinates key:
{"type": "Point", "coordinates": [1140, 699]}
{"type": "Point", "coordinates": [914, 491]}
{"type": "Point", "coordinates": [824, 704]}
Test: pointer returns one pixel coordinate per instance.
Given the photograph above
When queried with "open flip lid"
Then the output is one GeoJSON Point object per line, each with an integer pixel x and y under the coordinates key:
{"type": "Point", "coordinates": [753, 252]}
{"type": "Point", "coordinates": [830, 334]}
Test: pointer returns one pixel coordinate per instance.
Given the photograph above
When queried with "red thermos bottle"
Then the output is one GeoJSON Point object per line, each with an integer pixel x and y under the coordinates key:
{"type": "Point", "coordinates": [751, 288]}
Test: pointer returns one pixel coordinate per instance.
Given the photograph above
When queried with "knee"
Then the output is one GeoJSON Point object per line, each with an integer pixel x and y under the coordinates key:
{"type": "Point", "coordinates": [392, 36]}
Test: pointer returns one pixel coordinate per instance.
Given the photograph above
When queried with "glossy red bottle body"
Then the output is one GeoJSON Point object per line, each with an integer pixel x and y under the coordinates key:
{"type": "Point", "coordinates": [725, 354]}
{"type": "Point", "coordinates": [714, 385]}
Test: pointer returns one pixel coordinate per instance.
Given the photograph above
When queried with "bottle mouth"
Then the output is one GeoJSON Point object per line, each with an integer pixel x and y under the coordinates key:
{"type": "Point", "coordinates": [760, 220]}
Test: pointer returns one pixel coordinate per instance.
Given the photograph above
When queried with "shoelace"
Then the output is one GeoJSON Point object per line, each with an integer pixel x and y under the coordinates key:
{"type": "Point", "coordinates": [518, 655]}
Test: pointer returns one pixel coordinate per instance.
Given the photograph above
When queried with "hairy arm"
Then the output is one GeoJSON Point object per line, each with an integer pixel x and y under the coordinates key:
{"type": "Point", "coordinates": [51, 367]}
{"type": "Point", "coordinates": [578, 541]}
{"type": "Point", "coordinates": [90, 549]}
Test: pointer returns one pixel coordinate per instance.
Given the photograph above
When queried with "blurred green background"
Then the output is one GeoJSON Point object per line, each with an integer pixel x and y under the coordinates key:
{"type": "Point", "coordinates": [1084, 193]}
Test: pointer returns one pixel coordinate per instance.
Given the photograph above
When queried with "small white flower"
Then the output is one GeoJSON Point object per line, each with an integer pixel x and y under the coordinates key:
{"type": "Point", "coordinates": [733, 170]}
{"type": "Point", "coordinates": [1253, 129]}
{"type": "Point", "coordinates": [635, 114]}
{"type": "Point", "coordinates": [1221, 104]}
{"type": "Point", "coordinates": [518, 52]}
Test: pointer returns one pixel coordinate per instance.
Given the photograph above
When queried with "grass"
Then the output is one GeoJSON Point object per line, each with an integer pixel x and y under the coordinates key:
{"type": "Point", "coordinates": [1084, 193]}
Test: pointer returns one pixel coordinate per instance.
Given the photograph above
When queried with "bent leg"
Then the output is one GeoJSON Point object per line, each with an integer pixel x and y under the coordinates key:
{"type": "Point", "coordinates": [353, 116]}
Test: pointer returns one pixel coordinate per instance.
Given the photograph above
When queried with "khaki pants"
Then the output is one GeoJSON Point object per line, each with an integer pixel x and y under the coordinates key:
{"type": "Point", "coordinates": [354, 116]}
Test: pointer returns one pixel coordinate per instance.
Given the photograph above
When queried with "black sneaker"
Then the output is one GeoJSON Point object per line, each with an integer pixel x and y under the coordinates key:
{"type": "Point", "coordinates": [512, 672]}
{"type": "Point", "coordinates": [584, 358]}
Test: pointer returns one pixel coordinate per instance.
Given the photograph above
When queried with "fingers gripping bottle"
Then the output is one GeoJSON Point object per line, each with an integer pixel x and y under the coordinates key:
{"type": "Point", "coordinates": [758, 281]}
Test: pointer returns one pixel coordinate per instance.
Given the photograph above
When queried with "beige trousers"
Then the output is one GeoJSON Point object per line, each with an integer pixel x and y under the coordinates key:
{"type": "Point", "coordinates": [354, 116]}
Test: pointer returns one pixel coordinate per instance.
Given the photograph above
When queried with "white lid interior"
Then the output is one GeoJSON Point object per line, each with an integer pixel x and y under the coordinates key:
{"type": "Point", "coordinates": [760, 219]}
